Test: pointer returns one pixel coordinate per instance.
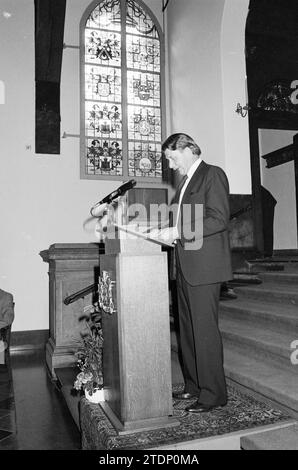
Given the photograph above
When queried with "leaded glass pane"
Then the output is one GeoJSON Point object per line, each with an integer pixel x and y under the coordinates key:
{"type": "Point", "coordinates": [103, 120]}
{"type": "Point", "coordinates": [104, 157]}
{"type": "Point", "coordinates": [143, 53]}
{"type": "Point", "coordinates": [102, 47]}
{"type": "Point", "coordinates": [144, 159]}
{"type": "Point", "coordinates": [106, 15]}
{"type": "Point", "coordinates": [105, 100]}
{"type": "Point", "coordinates": [138, 21]}
{"type": "Point", "coordinates": [143, 89]}
{"type": "Point", "coordinates": [102, 83]}
{"type": "Point", "coordinates": [144, 123]}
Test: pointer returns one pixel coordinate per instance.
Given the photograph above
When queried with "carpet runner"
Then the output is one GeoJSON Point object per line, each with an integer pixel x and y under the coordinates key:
{"type": "Point", "coordinates": [241, 412]}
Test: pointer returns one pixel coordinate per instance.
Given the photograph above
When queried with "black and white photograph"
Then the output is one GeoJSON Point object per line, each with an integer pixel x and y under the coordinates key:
{"type": "Point", "coordinates": [149, 229]}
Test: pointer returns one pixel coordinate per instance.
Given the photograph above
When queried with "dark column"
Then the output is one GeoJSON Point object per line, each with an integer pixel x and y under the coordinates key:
{"type": "Point", "coordinates": [49, 31]}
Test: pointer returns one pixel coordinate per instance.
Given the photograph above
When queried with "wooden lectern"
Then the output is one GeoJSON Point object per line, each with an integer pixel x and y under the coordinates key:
{"type": "Point", "coordinates": [133, 291]}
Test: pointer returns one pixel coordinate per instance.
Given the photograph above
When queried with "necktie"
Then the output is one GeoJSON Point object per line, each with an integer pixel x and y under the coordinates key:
{"type": "Point", "coordinates": [173, 220]}
{"type": "Point", "coordinates": [178, 191]}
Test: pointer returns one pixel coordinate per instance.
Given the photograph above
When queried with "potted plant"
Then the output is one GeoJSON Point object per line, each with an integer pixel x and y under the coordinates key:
{"type": "Point", "coordinates": [89, 356]}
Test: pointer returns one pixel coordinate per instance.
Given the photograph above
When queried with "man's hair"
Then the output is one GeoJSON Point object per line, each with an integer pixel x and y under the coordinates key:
{"type": "Point", "coordinates": [180, 142]}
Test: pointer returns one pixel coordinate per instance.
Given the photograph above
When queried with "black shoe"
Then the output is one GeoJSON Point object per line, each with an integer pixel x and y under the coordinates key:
{"type": "Point", "coordinates": [228, 294]}
{"type": "Point", "coordinates": [184, 396]}
{"type": "Point", "coordinates": [201, 408]}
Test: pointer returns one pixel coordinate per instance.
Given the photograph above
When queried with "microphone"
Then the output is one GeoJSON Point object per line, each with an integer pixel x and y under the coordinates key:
{"type": "Point", "coordinates": [114, 194]}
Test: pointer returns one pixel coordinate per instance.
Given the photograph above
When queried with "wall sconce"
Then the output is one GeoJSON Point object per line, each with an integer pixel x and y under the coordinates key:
{"type": "Point", "coordinates": [242, 110]}
{"type": "Point", "coordinates": [65, 135]}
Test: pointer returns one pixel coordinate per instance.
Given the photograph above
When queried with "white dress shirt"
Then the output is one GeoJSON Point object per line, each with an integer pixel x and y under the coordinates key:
{"type": "Point", "coordinates": [189, 175]}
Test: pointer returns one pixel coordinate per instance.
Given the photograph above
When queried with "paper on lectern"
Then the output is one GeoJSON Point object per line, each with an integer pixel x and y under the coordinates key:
{"type": "Point", "coordinates": [143, 232]}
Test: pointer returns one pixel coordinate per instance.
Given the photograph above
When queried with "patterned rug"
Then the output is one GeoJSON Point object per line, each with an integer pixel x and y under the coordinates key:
{"type": "Point", "coordinates": [241, 412]}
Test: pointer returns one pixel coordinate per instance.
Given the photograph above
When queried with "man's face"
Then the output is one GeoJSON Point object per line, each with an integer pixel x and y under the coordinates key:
{"type": "Point", "coordinates": [180, 159]}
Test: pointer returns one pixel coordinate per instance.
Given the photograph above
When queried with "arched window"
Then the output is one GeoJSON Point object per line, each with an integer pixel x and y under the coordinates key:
{"type": "Point", "coordinates": [122, 83]}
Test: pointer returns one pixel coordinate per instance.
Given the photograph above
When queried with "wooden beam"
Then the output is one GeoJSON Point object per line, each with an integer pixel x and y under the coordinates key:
{"type": "Point", "coordinates": [280, 156]}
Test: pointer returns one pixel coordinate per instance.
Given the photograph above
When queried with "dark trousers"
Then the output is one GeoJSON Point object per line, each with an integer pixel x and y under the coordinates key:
{"type": "Point", "coordinates": [201, 343]}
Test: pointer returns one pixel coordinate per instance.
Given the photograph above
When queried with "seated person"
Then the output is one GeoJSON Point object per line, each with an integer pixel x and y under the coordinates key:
{"type": "Point", "coordinates": [6, 312]}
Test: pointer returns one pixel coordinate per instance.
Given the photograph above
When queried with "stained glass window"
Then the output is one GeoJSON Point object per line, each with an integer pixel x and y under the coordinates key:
{"type": "Point", "coordinates": [121, 115]}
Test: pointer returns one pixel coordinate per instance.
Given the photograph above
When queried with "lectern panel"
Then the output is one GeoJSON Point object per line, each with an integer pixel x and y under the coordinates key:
{"type": "Point", "coordinates": [111, 357]}
{"type": "Point", "coordinates": [137, 357]}
{"type": "Point", "coordinates": [145, 336]}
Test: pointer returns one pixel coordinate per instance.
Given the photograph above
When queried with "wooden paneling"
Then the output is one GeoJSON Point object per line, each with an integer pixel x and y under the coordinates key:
{"type": "Point", "coordinates": [137, 357]}
{"type": "Point", "coordinates": [146, 197]}
{"type": "Point", "coordinates": [71, 268]}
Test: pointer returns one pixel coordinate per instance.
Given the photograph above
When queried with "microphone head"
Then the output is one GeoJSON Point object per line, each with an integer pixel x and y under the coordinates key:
{"type": "Point", "coordinates": [99, 207]}
{"type": "Point", "coordinates": [126, 186]}
{"type": "Point", "coordinates": [131, 183]}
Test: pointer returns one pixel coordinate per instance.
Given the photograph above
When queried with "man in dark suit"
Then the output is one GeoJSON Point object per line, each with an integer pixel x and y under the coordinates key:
{"type": "Point", "coordinates": [203, 262]}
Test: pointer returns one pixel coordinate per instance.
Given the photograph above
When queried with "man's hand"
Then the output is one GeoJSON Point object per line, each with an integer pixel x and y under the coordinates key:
{"type": "Point", "coordinates": [101, 228]}
{"type": "Point", "coordinates": [168, 234]}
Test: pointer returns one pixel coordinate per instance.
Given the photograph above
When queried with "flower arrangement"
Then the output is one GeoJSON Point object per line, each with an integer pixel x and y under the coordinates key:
{"type": "Point", "coordinates": [89, 354]}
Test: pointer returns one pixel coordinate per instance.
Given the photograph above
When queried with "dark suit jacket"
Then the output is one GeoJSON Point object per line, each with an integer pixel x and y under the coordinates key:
{"type": "Point", "coordinates": [6, 309]}
{"type": "Point", "coordinates": [212, 262]}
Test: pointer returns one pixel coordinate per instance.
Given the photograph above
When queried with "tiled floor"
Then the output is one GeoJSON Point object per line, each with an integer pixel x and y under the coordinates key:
{"type": "Point", "coordinates": [33, 414]}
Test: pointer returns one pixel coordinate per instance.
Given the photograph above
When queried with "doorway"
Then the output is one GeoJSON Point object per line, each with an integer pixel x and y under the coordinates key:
{"type": "Point", "coordinates": [279, 180]}
{"type": "Point", "coordinates": [271, 52]}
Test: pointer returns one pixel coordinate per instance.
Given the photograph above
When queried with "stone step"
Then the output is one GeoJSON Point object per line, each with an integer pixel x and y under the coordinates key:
{"type": "Point", "coordinates": [286, 277]}
{"type": "Point", "coordinates": [267, 314]}
{"type": "Point", "coordinates": [271, 381]}
{"type": "Point", "coordinates": [260, 343]}
{"type": "Point", "coordinates": [264, 344]}
{"type": "Point", "coordinates": [245, 278]}
{"type": "Point", "coordinates": [262, 265]}
{"type": "Point", "coordinates": [272, 264]}
{"type": "Point", "coordinates": [284, 438]}
{"type": "Point", "coordinates": [275, 259]}
{"type": "Point", "coordinates": [285, 294]}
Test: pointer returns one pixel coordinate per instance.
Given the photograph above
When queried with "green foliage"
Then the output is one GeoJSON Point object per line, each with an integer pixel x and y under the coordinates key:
{"type": "Point", "coordinates": [89, 354]}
